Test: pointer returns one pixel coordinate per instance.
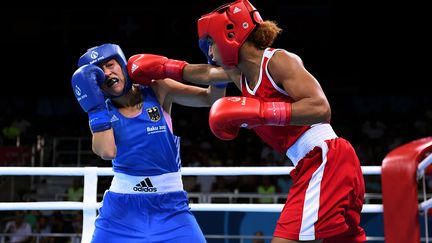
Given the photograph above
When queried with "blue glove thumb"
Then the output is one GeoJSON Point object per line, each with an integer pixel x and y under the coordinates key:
{"type": "Point", "coordinates": [204, 46]}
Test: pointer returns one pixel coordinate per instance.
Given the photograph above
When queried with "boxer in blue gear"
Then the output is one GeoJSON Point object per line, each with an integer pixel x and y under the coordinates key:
{"type": "Point", "coordinates": [131, 125]}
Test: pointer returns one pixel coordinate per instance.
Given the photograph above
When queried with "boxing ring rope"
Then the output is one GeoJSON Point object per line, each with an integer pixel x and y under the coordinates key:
{"type": "Point", "coordinates": [420, 174]}
{"type": "Point", "coordinates": [90, 204]}
{"type": "Point", "coordinates": [423, 165]}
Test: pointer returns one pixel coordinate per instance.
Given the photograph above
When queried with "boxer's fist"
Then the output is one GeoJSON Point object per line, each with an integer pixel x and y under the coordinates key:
{"type": "Point", "coordinates": [145, 68]}
{"type": "Point", "coordinates": [85, 85]}
{"type": "Point", "coordinates": [85, 82]}
{"type": "Point", "coordinates": [228, 114]}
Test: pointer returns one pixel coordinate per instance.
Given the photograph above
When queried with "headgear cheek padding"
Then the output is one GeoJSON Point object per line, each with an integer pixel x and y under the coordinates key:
{"type": "Point", "coordinates": [103, 53]}
{"type": "Point", "coordinates": [229, 26]}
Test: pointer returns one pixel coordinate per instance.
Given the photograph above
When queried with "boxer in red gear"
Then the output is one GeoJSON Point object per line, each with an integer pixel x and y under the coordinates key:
{"type": "Point", "coordinates": [286, 106]}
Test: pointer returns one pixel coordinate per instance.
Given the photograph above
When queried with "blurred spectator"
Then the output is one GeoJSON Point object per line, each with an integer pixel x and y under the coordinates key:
{"type": "Point", "coordinates": [190, 184]}
{"type": "Point", "coordinates": [259, 238]}
{"type": "Point", "coordinates": [61, 224]}
{"type": "Point", "coordinates": [247, 184]}
{"type": "Point", "coordinates": [31, 217]}
{"type": "Point", "coordinates": [374, 130]}
{"type": "Point", "coordinates": [19, 228]}
{"type": "Point", "coordinates": [284, 183]}
{"type": "Point", "coordinates": [13, 132]}
{"type": "Point", "coordinates": [10, 135]}
{"type": "Point", "coordinates": [271, 156]}
{"type": "Point", "coordinates": [214, 159]}
{"type": "Point", "coordinates": [43, 227]}
{"type": "Point", "coordinates": [266, 188]}
{"type": "Point", "coordinates": [220, 185]}
{"type": "Point", "coordinates": [75, 192]}
{"type": "Point", "coordinates": [77, 222]}
{"type": "Point", "coordinates": [206, 183]}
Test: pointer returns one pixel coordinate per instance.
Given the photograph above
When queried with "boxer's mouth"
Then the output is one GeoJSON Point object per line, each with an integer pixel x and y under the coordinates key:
{"type": "Point", "coordinates": [110, 82]}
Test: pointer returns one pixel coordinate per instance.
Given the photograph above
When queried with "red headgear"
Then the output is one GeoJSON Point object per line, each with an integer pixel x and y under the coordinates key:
{"type": "Point", "coordinates": [229, 26]}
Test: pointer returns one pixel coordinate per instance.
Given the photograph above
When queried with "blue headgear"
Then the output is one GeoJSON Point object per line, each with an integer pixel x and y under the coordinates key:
{"type": "Point", "coordinates": [103, 53]}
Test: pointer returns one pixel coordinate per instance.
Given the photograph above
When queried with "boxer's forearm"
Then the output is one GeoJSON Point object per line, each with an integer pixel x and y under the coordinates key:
{"type": "Point", "coordinates": [204, 74]}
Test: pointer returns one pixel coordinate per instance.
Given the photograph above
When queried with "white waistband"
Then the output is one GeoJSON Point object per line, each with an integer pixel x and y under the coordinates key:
{"type": "Point", "coordinates": [312, 138]}
{"type": "Point", "coordinates": [169, 182]}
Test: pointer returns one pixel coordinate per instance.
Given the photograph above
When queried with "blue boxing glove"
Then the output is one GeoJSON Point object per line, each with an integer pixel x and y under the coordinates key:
{"type": "Point", "coordinates": [205, 46]}
{"type": "Point", "coordinates": [89, 95]}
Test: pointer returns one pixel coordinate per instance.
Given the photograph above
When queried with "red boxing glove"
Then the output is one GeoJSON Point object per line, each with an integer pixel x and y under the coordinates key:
{"type": "Point", "coordinates": [145, 68]}
{"type": "Point", "coordinates": [228, 114]}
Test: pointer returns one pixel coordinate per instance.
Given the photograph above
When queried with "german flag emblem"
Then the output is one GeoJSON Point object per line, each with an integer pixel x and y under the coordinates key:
{"type": "Point", "coordinates": [153, 114]}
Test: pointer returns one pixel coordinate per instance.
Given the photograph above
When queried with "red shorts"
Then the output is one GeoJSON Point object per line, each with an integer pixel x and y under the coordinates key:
{"type": "Point", "coordinates": [326, 199]}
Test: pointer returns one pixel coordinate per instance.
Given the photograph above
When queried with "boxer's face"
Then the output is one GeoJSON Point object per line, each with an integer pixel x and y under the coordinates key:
{"type": "Point", "coordinates": [214, 52]}
{"type": "Point", "coordinates": [115, 79]}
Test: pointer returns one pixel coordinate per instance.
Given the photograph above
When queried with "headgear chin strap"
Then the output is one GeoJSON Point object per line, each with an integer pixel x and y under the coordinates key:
{"type": "Point", "coordinates": [103, 53]}
{"type": "Point", "coordinates": [229, 26]}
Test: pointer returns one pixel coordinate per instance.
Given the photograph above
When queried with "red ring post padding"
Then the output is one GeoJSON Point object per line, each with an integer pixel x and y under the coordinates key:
{"type": "Point", "coordinates": [399, 191]}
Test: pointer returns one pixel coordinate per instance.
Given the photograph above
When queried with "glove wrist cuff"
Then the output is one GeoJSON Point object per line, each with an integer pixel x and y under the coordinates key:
{"type": "Point", "coordinates": [174, 69]}
{"type": "Point", "coordinates": [276, 113]}
{"type": "Point", "coordinates": [99, 120]}
{"type": "Point", "coordinates": [220, 85]}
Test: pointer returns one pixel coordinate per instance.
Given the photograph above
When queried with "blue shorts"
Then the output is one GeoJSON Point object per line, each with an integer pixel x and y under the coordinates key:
{"type": "Point", "coordinates": [152, 217]}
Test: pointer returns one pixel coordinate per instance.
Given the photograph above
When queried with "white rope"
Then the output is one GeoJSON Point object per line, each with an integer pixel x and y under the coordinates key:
{"type": "Point", "coordinates": [53, 171]}
{"type": "Point", "coordinates": [90, 185]}
{"type": "Point", "coordinates": [186, 171]}
{"type": "Point", "coordinates": [271, 208]}
{"type": "Point", "coordinates": [423, 165]}
{"type": "Point", "coordinates": [426, 205]}
{"type": "Point", "coordinates": [257, 170]}
{"type": "Point", "coordinates": [244, 207]}
{"type": "Point", "coordinates": [236, 171]}
{"type": "Point", "coordinates": [425, 215]}
{"type": "Point", "coordinates": [371, 170]}
{"type": "Point", "coordinates": [58, 205]}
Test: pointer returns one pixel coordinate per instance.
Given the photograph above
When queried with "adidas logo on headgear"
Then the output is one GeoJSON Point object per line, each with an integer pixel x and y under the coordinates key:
{"type": "Point", "coordinates": [145, 186]}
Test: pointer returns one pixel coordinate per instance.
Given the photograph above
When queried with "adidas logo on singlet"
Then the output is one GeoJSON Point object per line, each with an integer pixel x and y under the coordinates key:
{"type": "Point", "coordinates": [145, 186]}
{"type": "Point", "coordinates": [114, 118]}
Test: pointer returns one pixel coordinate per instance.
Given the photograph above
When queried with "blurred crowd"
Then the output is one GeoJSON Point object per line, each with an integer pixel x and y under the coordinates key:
{"type": "Point", "coordinates": [374, 125]}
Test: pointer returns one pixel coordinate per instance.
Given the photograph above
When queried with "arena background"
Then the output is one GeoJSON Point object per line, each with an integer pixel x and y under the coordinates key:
{"type": "Point", "coordinates": [356, 50]}
{"type": "Point", "coordinates": [367, 57]}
